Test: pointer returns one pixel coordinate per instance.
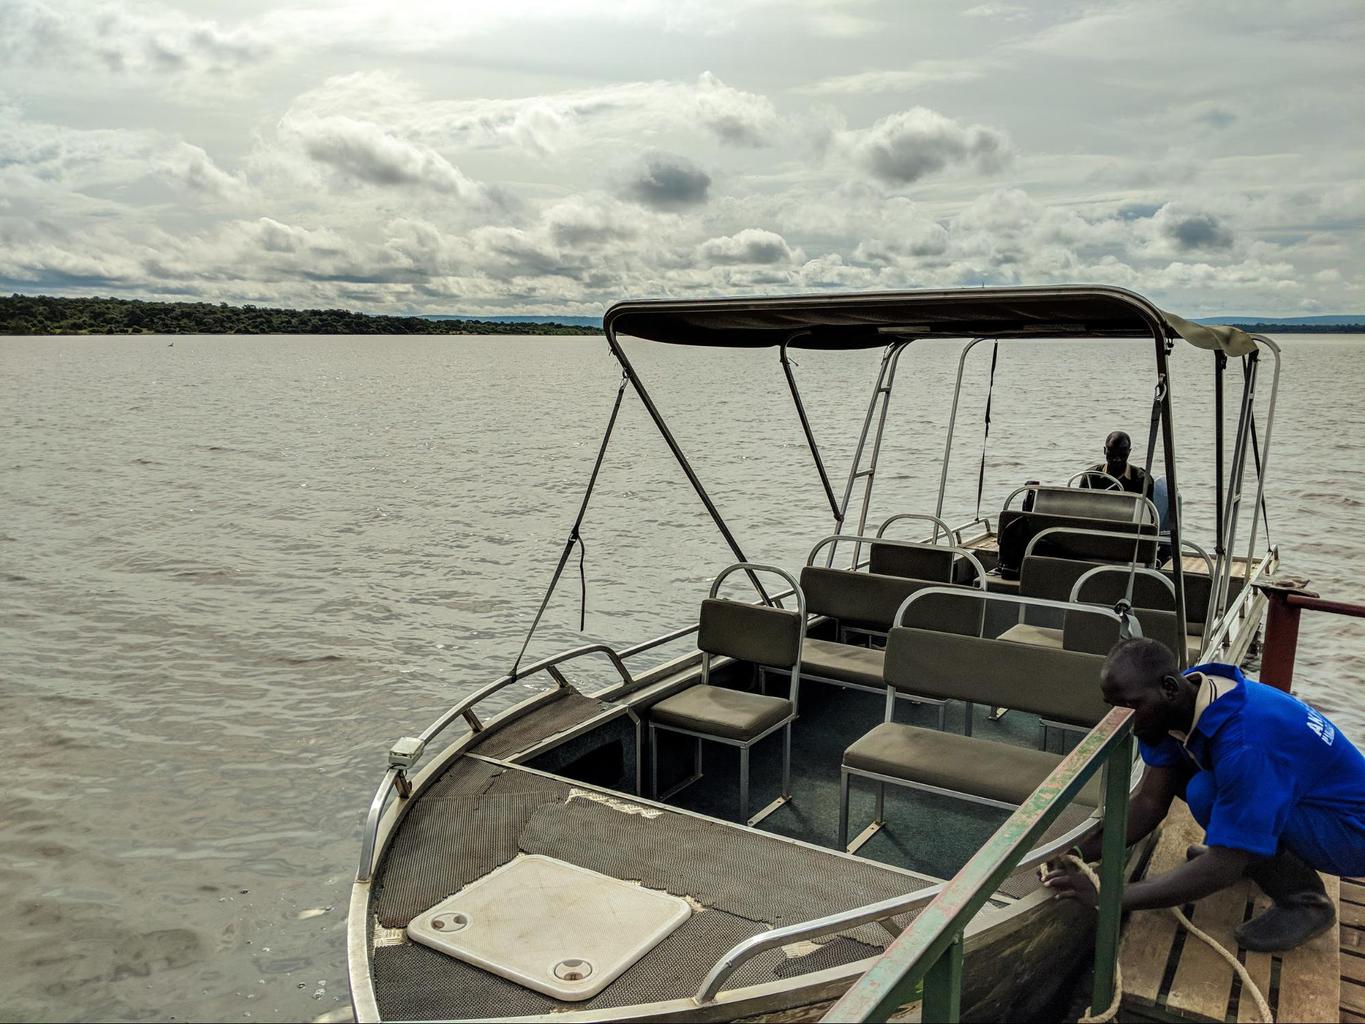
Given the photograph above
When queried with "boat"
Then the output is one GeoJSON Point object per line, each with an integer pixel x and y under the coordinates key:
{"type": "Point", "coordinates": [592, 854]}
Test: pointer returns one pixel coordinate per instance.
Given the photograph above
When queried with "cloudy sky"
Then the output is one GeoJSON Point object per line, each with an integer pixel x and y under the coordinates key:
{"type": "Point", "coordinates": [518, 156]}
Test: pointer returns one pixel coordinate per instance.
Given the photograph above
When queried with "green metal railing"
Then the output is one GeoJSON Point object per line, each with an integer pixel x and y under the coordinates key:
{"type": "Point", "coordinates": [929, 952]}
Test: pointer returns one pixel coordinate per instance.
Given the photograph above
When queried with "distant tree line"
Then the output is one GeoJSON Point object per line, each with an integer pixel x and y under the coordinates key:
{"type": "Point", "coordinates": [42, 314]}
{"type": "Point", "coordinates": [1302, 328]}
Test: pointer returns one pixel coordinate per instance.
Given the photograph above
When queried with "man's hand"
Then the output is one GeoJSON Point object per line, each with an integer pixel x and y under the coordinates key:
{"type": "Point", "coordinates": [1067, 883]}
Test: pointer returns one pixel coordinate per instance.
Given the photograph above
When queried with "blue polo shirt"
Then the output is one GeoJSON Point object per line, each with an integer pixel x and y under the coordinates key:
{"type": "Point", "coordinates": [1271, 770]}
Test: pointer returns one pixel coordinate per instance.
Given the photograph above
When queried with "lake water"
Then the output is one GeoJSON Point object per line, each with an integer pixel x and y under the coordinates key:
{"type": "Point", "coordinates": [233, 570]}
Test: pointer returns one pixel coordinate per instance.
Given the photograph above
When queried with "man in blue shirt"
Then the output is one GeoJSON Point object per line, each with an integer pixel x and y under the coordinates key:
{"type": "Point", "coordinates": [1279, 790]}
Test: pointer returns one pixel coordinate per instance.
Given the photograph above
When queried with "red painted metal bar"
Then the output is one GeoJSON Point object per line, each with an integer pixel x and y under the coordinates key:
{"type": "Point", "coordinates": [1321, 604]}
{"type": "Point", "coordinates": [1287, 599]}
{"type": "Point", "coordinates": [892, 980]}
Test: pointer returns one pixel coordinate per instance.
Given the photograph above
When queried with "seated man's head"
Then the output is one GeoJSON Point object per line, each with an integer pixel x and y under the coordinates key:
{"type": "Point", "coordinates": [1142, 674]}
{"type": "Point", "coordinates": [1116, 448]}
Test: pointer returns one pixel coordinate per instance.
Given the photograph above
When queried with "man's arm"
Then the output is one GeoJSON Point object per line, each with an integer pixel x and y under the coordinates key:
{"type": "Point", "coordinates": [1217, 869]}
{"type": "Point", "coordinates": [1193, 880]}
{"type": "Point", "coordinates": [1148, 808]}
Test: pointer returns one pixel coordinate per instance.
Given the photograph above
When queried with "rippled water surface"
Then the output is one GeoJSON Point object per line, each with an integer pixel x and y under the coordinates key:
{"type": "Point", "coordinates": [232, 570]}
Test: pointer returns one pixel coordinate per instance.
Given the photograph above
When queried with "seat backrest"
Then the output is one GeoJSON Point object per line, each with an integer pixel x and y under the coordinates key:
{"type": "Point", "coordinates": [1017, 528]}
{"type": "Point", "coordinates": [919, 563]}
{"type": "Point", "coordinates": [1062, 686]}
{"type": "Point", "coordinates": [1151, 589]}
{"type": "Point", "coordinates": [1097, 634]}
{"type": "Point", "coordinates": [751, 632]}
{"type": "Point", "coordinates": [866, 600]}
{"type": "Point", "coordinates": [1084, 503]}
{"type": "Point", "coordinates": [1052, 578]}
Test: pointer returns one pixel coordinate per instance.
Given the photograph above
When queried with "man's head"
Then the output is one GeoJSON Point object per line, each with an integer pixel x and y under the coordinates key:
{"type": "Point", "coordinates": [1142, 674]}
{"type": "Point", "coordinates": [1117, 446]}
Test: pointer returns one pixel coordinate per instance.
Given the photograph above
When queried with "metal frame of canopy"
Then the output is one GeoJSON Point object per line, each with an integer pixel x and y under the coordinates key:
{"type": "Point", "coordinates": [895, 319]}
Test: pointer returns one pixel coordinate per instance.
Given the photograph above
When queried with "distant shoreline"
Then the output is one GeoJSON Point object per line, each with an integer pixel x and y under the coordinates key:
{"type": "Point", "coordinates": [42, 315]}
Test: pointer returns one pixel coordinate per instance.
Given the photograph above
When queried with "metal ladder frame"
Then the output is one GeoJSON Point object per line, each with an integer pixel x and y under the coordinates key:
{"type": "Point", "coordinates": [881, 394]}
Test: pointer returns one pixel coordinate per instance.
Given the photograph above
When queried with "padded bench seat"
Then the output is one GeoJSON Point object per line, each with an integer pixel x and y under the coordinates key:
{"type": "Point", "coordinates": [985, 769]}
{"type": "Point", "coordinates": [1051, 637]}
{"type": "Point", "coordinates": [845, 663]}
{"type": "Point", "coordinates": [718, 711]}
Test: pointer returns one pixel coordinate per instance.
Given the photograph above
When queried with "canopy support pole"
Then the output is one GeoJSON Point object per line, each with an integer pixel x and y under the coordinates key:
{"type": "Point", "coordinates": [952, 420]}
{"type": "Point", "coordinates": [1264, 461]}
{"type": "Point", "coordinates": [886, 378]}
{"type": "Point", "coordinates": [810, 436]}
{"type": "Point", "coordinates": [1220, 362]}
{"type": "Point", "coordinates": [1233, 502]}
{"type": "Point", "coordinates": [1163, 369]}
{"type": "Point", "coordinates": [677, 451]}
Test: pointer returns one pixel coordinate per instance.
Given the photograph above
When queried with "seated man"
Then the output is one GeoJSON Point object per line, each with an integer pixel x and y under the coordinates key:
{"type": "Point", "coordinates": [1133, 479]}
{"type": "Point", "coordinates": [1279, 789]}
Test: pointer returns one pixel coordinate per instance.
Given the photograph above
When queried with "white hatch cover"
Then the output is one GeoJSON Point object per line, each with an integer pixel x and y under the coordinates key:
{"type": "Point", "coordinates": [552, 926]}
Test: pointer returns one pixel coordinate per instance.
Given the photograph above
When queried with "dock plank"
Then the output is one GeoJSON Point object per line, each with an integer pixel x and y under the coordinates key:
{"type": "Point", "coordinates": [1258, 966]}
{"type": "Point", "coordinates": [1352, 891]}
{"type": "Point", "coordinates": [1148, 936]}
{"type": "Point", "coordinates": [1310, 976]}
{"type": "Point", "coordinates": [1353, 914]}
{"type": "Point", "coordinates": [1353, 968]}
{"type": "Point", "coordinates": [1203, 982]}
{"type": "Point", "coordinates": [1352, 997]}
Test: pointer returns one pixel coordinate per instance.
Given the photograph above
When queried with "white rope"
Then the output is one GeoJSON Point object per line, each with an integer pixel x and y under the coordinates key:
{"type": "Point", "coordinates": [1090, 1017]}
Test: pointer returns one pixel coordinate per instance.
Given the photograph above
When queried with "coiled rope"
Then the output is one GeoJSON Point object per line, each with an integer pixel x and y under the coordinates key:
{"type": "Point", "coordinates": [1090, 1017]}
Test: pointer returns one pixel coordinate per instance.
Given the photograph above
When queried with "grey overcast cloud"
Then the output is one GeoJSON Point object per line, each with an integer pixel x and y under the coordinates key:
{"type": "Point", "coordinates": [523, 157]}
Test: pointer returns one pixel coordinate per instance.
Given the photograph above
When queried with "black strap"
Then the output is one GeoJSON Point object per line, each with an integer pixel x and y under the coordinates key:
{"type": "Point", "coordinates": [1157, 399]}
{"type": "Point", "coordinates": [990, 389]}
{"type": "Point", "coordinates": [787, 364]}
{"type": "Point", "coordinates": [575, 538]}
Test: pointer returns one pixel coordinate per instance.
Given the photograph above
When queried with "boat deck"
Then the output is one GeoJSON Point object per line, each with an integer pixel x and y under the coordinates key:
{"type": "Point", "coordinates": [1170, 976]}
{"type": "Point", "coordinates": [483, 813]}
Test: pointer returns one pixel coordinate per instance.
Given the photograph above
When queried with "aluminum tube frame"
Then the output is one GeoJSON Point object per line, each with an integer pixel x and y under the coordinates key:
{"type": "Point", "coordinates": [886, 377]}
{"type": "Point", "coordinates": [952, 422]}
{"type": "Point", "coordinates": [1016, 599]}
{"type": "Point", "coordinates": [1100, 570]}
{"type": "Point", "coordinates": [939, 524]}
{"type": "Point", "coordinates": [834, 538]}
{"type": "Point", "coordinates": [1232, 504]}
{"type": "Point", "coordinates": [882, 910]}
{"type": "Point", "coordinates": [1261, 339]}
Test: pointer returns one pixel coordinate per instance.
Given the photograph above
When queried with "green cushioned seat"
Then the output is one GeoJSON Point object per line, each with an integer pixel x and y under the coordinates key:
{"type": "Point", "coordinates": [982, 768]}
{"type": "Point", "coordinates": [716, 711]}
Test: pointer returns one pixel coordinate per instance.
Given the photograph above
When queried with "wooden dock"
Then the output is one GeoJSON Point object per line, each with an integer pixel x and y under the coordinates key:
{"type": "Point", "coordinates": [1168, 975]}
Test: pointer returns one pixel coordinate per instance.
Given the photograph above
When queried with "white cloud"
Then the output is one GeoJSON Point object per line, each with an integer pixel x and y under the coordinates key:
{"type": "Point", "coordinates": [923, 73]}
{"type": "Point", "coordinates": [750, 246]}
{"type": "Point", "coordinates": [367, 153]}
{"type": "Point", "coordinates": [563, 156]}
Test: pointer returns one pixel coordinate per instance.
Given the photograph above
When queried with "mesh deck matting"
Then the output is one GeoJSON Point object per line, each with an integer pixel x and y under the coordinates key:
{"type": "Point", "coordinates": [569, 710]}
{"type": "Point", "coordinates": [478, 816]}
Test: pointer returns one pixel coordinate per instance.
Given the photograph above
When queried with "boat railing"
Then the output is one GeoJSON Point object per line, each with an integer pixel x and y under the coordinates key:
{"type": "Point", "coordinates": [881, 912]}
{"type": "Point", "coordinates": [1219, 639]}
{"type": "Point", "coordinates": [939, 525]}
{"type": "Point", "coordinates": [929, 952]}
